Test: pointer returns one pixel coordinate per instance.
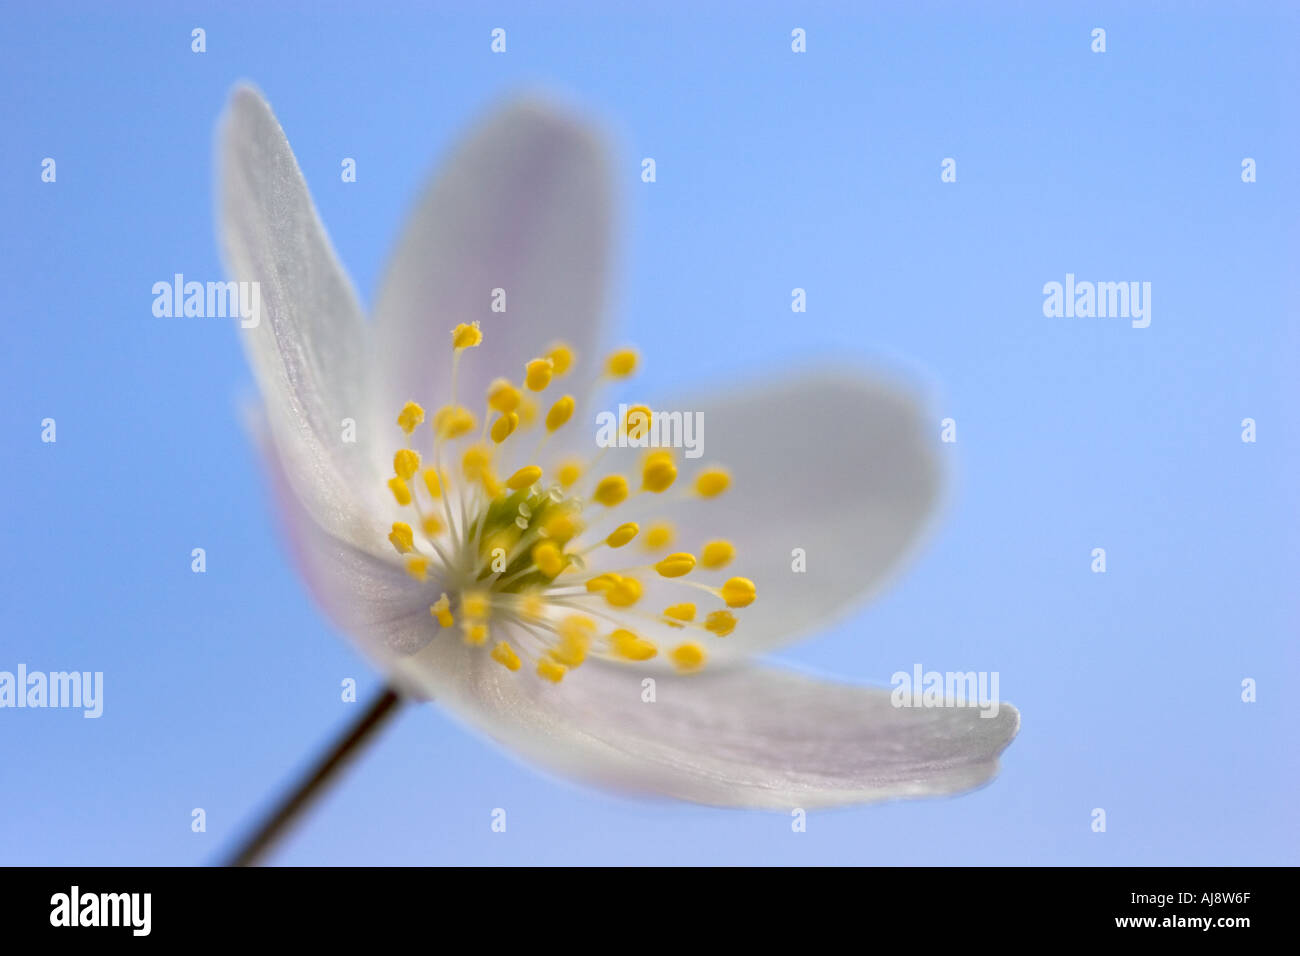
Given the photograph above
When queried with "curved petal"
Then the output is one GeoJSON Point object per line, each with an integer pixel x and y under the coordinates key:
{"type": "Point", "coordinates": [370, 598]}
{"type": "Point", "coordinates": [836, 463]}
{"type": "Point", "coordinates": [522, 205]}
{"type": "Point", "coordinates": [307, 349]}
{"type": "Point", "coordinates": [743, 737]}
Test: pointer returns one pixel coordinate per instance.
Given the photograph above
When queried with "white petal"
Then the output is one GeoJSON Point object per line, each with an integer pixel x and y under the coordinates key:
{"type": "Point", "coordinates": [742, 737]}
{"type": "Point", "coordinates": [370, 598]}
{"type": "Point", "coordinates": [307, 352]}
{"type": "Point", "coordinates": [522, 205]}
{"type": "Point", "coordinates": [835, 463]}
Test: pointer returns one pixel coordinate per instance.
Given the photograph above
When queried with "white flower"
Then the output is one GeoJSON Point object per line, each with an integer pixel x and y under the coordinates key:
{"type": "Point", "coordinates": [540, 656]}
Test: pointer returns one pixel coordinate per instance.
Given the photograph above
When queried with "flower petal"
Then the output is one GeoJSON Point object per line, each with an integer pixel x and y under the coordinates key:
{"type": "Point", "coordinates": [522, 205]}
{"type": "Point", "coordinates": [835, 463]}
{"type": "Point", "coordinates": [370, 598]}
{"type": "Point", "coordinates": [743, 737]}
{"type": "Point", "coordinates": [307, 351]}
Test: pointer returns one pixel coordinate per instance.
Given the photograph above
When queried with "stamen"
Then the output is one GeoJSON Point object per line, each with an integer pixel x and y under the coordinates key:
{"type": "Point", "coordinates": [680, 612]}
{"type": "Point", "coordinates": [628, 645]}
{"type": "Point", "coordinates": [611, 490]}
{"type": "Point", "coordinates": [505, 655]}
{"type": "Point", "coordinates": [525, 477]}
{"type": "Point", "coordinates": [561, 357]}
{"type": "Point", "coordinates": [658, 535]}
{"type": "Point", "coordinates": [410, 416]}
{"type": "Point", "coordinates": [504, 427]}
{"type": "Point", "coordinates": [441, 609]}
{"type": "Point", "coordinates": [622, 535]}
{"type": "Point", "coordinates": [537, 374]}
{"type": "Point", "coordinates": [503, 396]}
{"type": "Point", "coordinates": [687, 657]}
{"type": "Point", "coordinates": [717, 554]}
{"type": "Point", "coordinates": [400, 492]}
{"type": "Point", "coordinates": [738, 592]}
{"type": "Point", "coordinates": [720, 623]}
{"type": "Point", "coordinates": [551, 670]}
{"type": "Point", "coordinates": [402, 537]}
{"type": "Point", "coordinates": [621, 364]}
{"type": "Point", "coordinates": [676, 565]}
{"type": "Point", "coordinates": [659, 473]}
{"type": "Point", "coordinates": [711, 483]}
{"type": "Point", "coordinates": [406, 463]}
{"type": "Point", "coordinates": [466, 336]}
{"type": "Point", "coordinates": [568, 473]}
{"type": "Point", "coordinates": [560, 413]}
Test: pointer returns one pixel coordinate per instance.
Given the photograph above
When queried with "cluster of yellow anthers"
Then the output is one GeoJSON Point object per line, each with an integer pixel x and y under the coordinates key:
{"type": "Point", "coordinates": [518, 553]}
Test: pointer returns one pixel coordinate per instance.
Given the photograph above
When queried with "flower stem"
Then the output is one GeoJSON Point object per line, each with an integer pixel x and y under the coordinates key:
{"type": "Point", "coordinates": [361, 732]}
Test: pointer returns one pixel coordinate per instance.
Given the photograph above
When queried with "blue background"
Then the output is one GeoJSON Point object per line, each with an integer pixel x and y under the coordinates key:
{"type": "Point", "coordinates": [775, 170]}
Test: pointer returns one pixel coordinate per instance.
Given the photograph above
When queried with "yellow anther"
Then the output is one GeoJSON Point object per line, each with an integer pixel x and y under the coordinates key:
{"type": "Point", "coordinates": [417, 567]}
{"type": "Point", "coordinates": [503, 396]}
{"type": "Point", "coordinates": [466, 336]}
{"type": "Point", "coordinates": [621, 364]}
{"type": "Point", "coordinates": [717, 554]}
{"type": "Point", "coordinates": [548, 558]}
{"type": "Point", "coordinates": [680, 612]}
{"type": "Point", "coordinates": [552, 670]}
{"type": "Point", "coordinates": [560, 413]}
{"type": "Point", "coordinates": [611, 490]}
{"type": "Point", "coordinates": [603, 582]}
{"type": "Point", "coordinates": [659, 473]}
{"type": "Point", "coordinates": [709, 484]}
{"type": "Point", "coordinates": [687, 657]}
{"type": "Point", "coordinates": [561, 357]}
{"type": "Point", "coordinates": [630, 647]}
{"type": "Point", "coordinates": [562, 527]}
{"type": "Point", "coordinates": [402, 537]}
{"type": "Point", "coordinates": [575, 636]}
{"type": "Point", "coordinates": [571, 651]}
{"type": "Point", "coordinates": [636, 424]}
{"type": "Point", "coordinates": [739, 592]}
{"type": "Point", "coordinates": [576, 624]}
{"type": "Point", "coordinates": [432, 526]}
{"type": "Point", "coordinates": [525, 477]}
{"type": "Point", "coordinates": [720, 623]}
{"type": "Point", "coordinates": [402, 493]}
{"type": "Point", "coordinates": [505, 655]}
{"type": "Point", "coordinates": [410, 416]}
{"type": "Point", "coordinates": [568, 473]}
{"type": "Point", "coordinates": [537, 373]}
{"type": "Point", "coordinates": [675, 565]}
{"type": "Point", "coordinates": [476, 633]}
{"type": "Point", "coordinates": [432, 482]}
{"type": "Point", "coordinates": [475, 462]}
{"type": "Point", "coordinates": [441, 609]}
{"type": "Point", "coordinates": [406, 463]}
{"type": "Point", "coordinates": [527, 412]}
{"type": "Point", "coordinates": [475, 604]}
{"type": "Point", "coordinates": [533, 607]}
{"type": "Point", "coordinates": [624, 592]}
{"type": "Point", "coordinates": [504, 427]}
{"type": "Point", "coordinates": [505, 539]}
{"type": "Point", "coordinates": [452, 421]}
{"type": "Point", "coordinates": [659, 535]}
{"type": "Point", "coordinates": [622, 534]}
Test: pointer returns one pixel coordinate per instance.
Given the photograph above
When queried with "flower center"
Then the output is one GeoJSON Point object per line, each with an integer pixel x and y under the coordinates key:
{"type": "Point", "coordinates": [536, 556]}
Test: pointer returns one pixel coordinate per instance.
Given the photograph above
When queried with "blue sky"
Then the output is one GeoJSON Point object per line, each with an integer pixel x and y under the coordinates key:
{"type": "Point", "coordinates": [775, 170]}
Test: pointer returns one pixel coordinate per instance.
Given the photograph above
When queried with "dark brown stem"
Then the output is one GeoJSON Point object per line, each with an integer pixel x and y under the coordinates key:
{"type": "Point", "coordinates": [297, 800]}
